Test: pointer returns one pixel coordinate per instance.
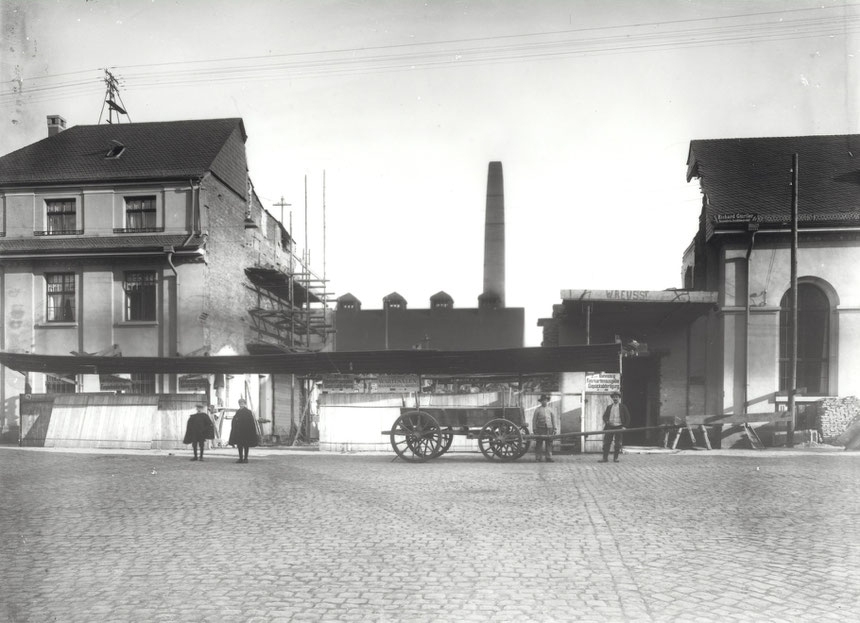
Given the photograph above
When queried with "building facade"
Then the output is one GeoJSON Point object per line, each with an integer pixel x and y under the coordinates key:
{"type": "Point", "coordinates": [146, 239]}
{"type": "Point", "coordinates": [441, 326]}
{"type": "Point", "coordinates": [720, 346]}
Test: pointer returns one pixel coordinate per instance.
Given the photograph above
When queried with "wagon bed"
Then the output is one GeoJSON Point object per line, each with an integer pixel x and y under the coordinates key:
{"type": "Point", "coordinates": [427, 433]}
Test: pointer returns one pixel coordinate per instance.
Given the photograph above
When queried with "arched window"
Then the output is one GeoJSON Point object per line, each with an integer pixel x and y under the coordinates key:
{"type": "Point", "coordinates": [813, 340]}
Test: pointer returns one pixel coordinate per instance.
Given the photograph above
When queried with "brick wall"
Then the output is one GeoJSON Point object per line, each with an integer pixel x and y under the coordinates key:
{"type": "Point", "coordinates": [227, 256]}
{"type": "Point", "coordinates": [835, 415]}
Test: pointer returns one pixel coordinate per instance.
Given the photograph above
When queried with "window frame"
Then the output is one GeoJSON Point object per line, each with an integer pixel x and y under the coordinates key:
{"type": "Point", "coordinates": [55, 380]}
{"type": "Point", "coordinates": [811, 321]}
{"type": "Point", "coordinates": [135, 205]}
{"type": "Point", "coordinates": [143, 383]}
{"type": "Point", "coordinates": [135, 308]}
{"type": "Point", "coordinates": [67, 298]}
{"type": "Point", "coordinates": [67, 214]}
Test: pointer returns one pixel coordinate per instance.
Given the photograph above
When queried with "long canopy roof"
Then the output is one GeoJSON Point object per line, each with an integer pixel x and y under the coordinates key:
{"type": "Point", "coordinates": [591, 358]}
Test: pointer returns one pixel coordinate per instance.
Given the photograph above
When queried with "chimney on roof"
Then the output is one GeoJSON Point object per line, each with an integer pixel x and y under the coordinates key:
{"type": "Point", "coordinates": [56, 124]}
{"type": "Point", "coordinates": [494, 240]}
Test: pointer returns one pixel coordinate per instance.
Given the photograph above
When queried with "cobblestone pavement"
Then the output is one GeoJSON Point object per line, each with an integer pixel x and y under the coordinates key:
{"type": "Point", "coordinates": [143, 536]}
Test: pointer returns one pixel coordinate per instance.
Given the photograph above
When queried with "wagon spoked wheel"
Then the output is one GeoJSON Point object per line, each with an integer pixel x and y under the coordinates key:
{"type": "Point", "coordinates": [416, 436]}
{"type": "Point", "coordinates": [502, 440]}
{"type": "Point", "coordinates": [445, 444]}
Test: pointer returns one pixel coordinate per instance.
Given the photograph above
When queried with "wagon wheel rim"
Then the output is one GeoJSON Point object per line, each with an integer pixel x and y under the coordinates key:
{"type": "Point", "coordinates": [416, 436]}
{"type": "Point", "coordinates": [502, 440]}
{"type": "Point", "coordinates": [445, 442]}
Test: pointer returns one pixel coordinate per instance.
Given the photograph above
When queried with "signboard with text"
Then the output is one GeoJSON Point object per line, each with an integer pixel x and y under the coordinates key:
{"type": "Point", "coordinates": [341, 384]}
{"type": "Point", "coordinates": [603, 382]}
{"type": "Point", "coordinates": [641, 296]}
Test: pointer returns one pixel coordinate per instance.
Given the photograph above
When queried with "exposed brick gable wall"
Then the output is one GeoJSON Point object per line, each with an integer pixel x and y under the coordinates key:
{"type": "Point", "coordinates": [231, 164]}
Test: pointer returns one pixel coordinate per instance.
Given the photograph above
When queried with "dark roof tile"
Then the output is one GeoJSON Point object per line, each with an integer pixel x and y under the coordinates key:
{"type": "Point", "coordinates": [753, 176]}
{"type": "Point", "coordinates": [159, 150]}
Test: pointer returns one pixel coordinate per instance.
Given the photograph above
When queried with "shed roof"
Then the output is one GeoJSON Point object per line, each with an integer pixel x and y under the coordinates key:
{"type": "Point", "coordinates": [596, 357]}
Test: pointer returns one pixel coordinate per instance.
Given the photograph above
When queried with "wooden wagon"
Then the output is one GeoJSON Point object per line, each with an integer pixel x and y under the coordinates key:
{"type": "Point", "coordinates": [427, 433]}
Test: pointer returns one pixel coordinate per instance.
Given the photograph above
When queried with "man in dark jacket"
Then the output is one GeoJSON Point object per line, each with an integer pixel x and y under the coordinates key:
{"type": "Point", "coordinates": [616, 418]}
{"type": "Point", "coordinates": [243, 432]}
{"type": "Point", "coordinates": [198, 429]}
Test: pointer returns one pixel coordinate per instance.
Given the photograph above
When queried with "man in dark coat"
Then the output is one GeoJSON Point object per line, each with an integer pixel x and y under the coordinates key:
{"type": "Point", "coordinates": [243, 432]}
{"type": "Point", "coordinates": [616, 418]}
{"type": "Point", "coordinates": [198, 429]}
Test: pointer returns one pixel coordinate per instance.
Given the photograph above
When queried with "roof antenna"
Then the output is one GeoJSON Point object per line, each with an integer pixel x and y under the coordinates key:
{"type": "Point", "coordinates": [115, 110]}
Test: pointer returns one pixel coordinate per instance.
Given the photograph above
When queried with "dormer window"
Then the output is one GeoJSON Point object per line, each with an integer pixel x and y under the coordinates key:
{"type": "Point", "coordinates": [115, 150]}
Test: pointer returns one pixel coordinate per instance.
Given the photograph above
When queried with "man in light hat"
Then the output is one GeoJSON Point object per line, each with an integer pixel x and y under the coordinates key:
{"type": "Point", "coordinates": [616, 418]}
{"type": "Point", "coordinates": [544, 425]}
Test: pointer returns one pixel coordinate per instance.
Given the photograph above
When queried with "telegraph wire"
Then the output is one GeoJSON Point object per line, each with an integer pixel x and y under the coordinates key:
{"type": "Point", "coordinates": [609, 44]}
{"type": "Point", "coordinates": [503, 37]}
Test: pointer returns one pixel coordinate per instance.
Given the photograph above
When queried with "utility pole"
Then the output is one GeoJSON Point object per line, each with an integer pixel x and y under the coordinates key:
{"type": "Point", "coordinates": [283, 205]}
{"type": "Point", "coordinates": [792, 386]}
{"type": "Point", "coordinates": [111, 97]}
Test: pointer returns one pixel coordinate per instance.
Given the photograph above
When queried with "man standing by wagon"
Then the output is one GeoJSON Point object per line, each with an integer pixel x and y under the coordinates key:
{"type": "Point", "coordinates": [544, 425]}
{"type": "Point", "coordinates": [616, 418]}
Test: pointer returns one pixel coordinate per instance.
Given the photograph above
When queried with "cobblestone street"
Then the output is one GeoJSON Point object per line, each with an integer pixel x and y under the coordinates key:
{"type": "Point", "coordinates": [301, 536]}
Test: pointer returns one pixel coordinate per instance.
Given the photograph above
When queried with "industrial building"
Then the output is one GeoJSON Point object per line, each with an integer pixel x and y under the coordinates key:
{"type": "Point", "coordinates": [354, 408]}
{"type": "Point", "coordinates": [147, 239]}
{"type": "Point", "coordinates": [442, 325]}
{"type": "Point", "coordinates": [719, 348]}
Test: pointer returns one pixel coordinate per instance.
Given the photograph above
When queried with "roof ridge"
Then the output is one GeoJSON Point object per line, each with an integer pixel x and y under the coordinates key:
{"type": "Point", "coordinates": [770, 138]}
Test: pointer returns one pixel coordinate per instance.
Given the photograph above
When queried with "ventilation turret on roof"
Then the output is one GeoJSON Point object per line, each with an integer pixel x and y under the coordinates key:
{"type": "Point", "coordinates": [348, 302]}
{"type": "Point", "coordinates": [441, 300]}
{"type": "Point", "coordinates": [393, 301]}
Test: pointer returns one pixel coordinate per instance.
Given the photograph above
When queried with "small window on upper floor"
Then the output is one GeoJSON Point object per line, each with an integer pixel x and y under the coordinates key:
{"type": "Point", "coordinates": [61, 216]}
{"type": "Point", "coordinates": [140, 295]}
{"type": "Point", "coordinates": [140, 213]}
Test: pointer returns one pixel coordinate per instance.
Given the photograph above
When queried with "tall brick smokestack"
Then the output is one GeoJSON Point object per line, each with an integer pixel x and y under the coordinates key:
{"type": "Point", "coordinates": [494, 240]}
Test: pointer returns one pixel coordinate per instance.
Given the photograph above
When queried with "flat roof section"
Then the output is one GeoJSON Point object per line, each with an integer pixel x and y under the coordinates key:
{"type": "Point", "coordinates": [640, 309]}
{"type": "Point", "coordinates": [581, 358]}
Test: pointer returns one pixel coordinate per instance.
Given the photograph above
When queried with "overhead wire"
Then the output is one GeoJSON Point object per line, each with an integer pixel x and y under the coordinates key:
{"type": "Point", "coordinates": [322, 63]}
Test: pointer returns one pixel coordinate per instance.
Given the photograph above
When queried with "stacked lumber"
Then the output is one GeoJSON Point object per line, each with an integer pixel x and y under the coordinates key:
{"type": "Point", "coordinates": [836, 415]}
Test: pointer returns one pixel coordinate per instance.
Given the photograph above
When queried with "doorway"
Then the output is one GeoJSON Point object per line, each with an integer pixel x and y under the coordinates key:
{"type": "Point", "coordinates": [640, 393]}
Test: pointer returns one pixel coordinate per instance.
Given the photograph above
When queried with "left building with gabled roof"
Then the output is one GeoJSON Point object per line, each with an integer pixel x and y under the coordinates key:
{"type": "Point", "coordinates": [146, 239]}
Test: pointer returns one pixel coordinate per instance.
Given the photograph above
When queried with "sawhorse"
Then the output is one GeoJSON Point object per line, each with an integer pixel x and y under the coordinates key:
{"type": "Point", "coordinates": [679, 430]}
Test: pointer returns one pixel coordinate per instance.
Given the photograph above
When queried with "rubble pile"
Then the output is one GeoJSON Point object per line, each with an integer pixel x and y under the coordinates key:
{"type": "Point", "coordinates": [835, 415]}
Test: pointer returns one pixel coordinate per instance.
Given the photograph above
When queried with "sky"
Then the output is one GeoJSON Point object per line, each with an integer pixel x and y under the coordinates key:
{"type": "Point", "coordinates": [378, 119]}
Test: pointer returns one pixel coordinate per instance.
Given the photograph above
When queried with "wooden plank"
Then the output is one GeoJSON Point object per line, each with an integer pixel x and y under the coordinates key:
{"type": "Point", "coordinates": [474, 417]}
{"type": "Point", "coordinates": [741, 418]}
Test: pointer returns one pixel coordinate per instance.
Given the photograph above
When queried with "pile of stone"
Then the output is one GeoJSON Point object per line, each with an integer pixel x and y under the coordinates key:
{"type": "Point", "coordinates": [835, 415]}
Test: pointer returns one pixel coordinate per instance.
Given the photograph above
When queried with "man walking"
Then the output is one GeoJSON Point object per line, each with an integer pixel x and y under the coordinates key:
{"type": "Point", "coordinates": [243, 433]}
{"type": "Point", "coordinates": [615, 419]}
{"type": "Point", "coordinates": [544, 425]}
{"type": "Point", "coordinates": [198, 429]}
